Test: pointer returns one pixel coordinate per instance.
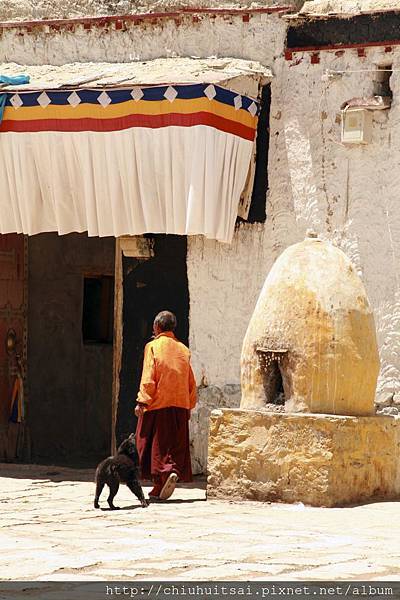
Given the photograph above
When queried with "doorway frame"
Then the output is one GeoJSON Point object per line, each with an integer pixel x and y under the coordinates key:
{"type": "Point", "coordinates": [133, 247]}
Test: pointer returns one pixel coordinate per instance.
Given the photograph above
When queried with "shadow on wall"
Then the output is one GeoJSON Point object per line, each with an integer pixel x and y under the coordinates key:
{"type": "Point", "coordinates": [208, 398]}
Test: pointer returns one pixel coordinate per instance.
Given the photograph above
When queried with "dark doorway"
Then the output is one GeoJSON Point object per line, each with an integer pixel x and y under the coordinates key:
{"type": "Point", "coordinates": [149, 286]}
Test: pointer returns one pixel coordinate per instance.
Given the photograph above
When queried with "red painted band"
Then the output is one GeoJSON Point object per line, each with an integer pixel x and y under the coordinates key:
{"type": "Point", "coordinates": [104, 20]}
{"type": "Point", "coordinates": [121, 123]}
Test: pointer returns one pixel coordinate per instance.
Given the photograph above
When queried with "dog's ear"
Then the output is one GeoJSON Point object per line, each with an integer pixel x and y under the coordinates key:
{"type": "Point", "coordinates": [128, 446]}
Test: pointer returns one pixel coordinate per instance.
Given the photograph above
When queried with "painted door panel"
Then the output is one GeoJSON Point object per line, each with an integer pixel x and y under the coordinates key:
{"type": "Point", "coordinates": [12, 314]}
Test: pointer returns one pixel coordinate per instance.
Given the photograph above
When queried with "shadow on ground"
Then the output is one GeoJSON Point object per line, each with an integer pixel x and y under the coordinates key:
{"type": "Point", "coordinates": [57, 474]}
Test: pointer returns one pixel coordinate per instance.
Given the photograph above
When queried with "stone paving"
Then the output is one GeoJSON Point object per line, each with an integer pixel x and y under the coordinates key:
{"type": "Point", "coordinates": [49, 530]}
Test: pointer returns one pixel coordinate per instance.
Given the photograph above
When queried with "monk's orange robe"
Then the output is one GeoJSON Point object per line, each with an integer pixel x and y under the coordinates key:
{"type": "Point", "coordinates": [167, 377]}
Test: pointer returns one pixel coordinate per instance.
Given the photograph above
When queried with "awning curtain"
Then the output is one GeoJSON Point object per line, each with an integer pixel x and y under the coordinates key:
{"type": "Point", "coordinates": [125, 161]}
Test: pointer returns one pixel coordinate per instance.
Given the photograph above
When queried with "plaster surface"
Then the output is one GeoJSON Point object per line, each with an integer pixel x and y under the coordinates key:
{"type": "Point", "coordinates": [50, 531]}
{"type": "Point", "coordinates": [220, 36]}
{"type": "Point", "coordinates": [321, 460]}
{"type": "Point", "coordinates": [314, 310]}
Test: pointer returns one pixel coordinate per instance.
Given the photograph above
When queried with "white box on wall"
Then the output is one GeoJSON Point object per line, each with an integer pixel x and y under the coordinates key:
{"type": "Point", "coordinates": [356, 126]}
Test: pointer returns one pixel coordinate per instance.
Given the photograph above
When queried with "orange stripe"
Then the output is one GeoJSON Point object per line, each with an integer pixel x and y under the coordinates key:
{"type": "Point", "coordinates": [129, 107]}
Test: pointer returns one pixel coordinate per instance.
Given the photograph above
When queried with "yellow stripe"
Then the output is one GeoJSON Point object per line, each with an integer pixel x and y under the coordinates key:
{"type": "Point", "coordinates": [123, 109]}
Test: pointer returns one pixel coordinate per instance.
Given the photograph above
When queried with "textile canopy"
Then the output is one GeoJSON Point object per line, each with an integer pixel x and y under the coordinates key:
{"type": "Point", "coordinates": [118, 158]}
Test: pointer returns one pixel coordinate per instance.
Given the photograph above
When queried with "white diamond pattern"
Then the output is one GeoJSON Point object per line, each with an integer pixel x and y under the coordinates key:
{"type": "Point", "coordinates": [170, 93]}
{"type": "Point", "coordinates": [253, 109]}
{"type": "Point", "coordinates": [137, 94]}
{"type": "Point", "coordinates": [210, 92]}
{"type": "Point", "coordinates": [104, 99]}
{"type": "Point", "coordinates": [43, 100]}
{"type": "Point", "coordinates": [16, 101]}
{"type": "Point", "coordinates": [238, 102]}
{"type": "Point", "coordinates": [74, 99]}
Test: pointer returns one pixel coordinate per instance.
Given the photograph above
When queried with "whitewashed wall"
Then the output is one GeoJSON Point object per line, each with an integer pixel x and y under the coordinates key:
{"type": "Point", "coordinates": [349, 195]}
{"type": "Point", "coordinates": [262, 37]}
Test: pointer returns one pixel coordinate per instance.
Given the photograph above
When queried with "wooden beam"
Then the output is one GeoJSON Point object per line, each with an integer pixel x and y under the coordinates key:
{"type": "Point", "coordinates": [134, 247]}
{"type": "Point", "coordinates": [117, 343]}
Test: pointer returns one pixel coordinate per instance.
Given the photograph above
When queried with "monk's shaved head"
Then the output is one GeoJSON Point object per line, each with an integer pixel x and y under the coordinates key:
{"type": "Point", "coordinates": [165, 321]}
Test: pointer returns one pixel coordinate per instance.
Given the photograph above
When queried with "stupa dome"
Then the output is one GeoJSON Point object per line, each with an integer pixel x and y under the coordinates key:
{"type": "Point", "coordinates": [311, 340]}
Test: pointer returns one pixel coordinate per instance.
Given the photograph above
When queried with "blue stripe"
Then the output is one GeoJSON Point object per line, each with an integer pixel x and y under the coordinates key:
{"type": "Point", "coordinates": [150, 94]}
{"type": "Point", "coordinates": [3, 101]}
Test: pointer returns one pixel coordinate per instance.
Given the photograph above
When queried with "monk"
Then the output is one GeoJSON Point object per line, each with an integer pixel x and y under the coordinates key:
{"type": "Point", "coordinates": [166, 396]}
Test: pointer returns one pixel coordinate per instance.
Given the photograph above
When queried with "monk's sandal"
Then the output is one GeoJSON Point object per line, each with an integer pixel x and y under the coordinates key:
{"type": "Point", "coordinates": [169, 487]}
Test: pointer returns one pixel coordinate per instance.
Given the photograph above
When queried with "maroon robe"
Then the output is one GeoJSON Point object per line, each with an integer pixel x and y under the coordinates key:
{"type": "Point", "coordinates": [162, 441]}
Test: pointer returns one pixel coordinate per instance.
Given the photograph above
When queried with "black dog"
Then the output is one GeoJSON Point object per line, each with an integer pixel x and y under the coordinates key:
{"type": "Point", "coordinates": [121, 468]}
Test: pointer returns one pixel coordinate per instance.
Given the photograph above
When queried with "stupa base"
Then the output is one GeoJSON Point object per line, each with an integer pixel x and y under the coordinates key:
{"type": "Point", "coordinates": [320, 460]}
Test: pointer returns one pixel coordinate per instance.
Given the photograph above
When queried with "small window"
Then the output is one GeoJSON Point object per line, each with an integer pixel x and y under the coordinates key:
{"type": "Point", "coordinates": [382, 81]}
{"type": "Point", "coordinates": [98, 310]}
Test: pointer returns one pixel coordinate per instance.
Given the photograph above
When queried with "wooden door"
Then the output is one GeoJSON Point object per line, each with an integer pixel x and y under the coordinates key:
{"type": "Point", "coordinates": [13, 304]}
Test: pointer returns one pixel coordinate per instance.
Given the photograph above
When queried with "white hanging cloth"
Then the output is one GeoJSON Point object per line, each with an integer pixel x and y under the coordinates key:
{"type": "Point", "coordinates": [113, 162]}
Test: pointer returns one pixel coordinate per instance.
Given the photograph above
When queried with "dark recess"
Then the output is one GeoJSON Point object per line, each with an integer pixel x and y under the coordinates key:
{"type": "Point", "coordinates": [149, 286]}
{"type": "Point", "coordinates": [382, 81]}
{"type": "Point", "coordinates": [98, 309]}
{"type": "Point", "coordinates": [378, 27]}
{"type": "Point", "coordinates": [257, 212]}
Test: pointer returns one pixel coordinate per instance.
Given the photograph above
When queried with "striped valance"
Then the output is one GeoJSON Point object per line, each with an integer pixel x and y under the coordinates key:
{"type": "Point", "coordinates": [125, 161]}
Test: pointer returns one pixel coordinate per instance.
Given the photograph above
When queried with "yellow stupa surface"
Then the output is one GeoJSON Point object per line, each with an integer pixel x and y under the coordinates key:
{"type": "Point", "coordinates": [313, 329]}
